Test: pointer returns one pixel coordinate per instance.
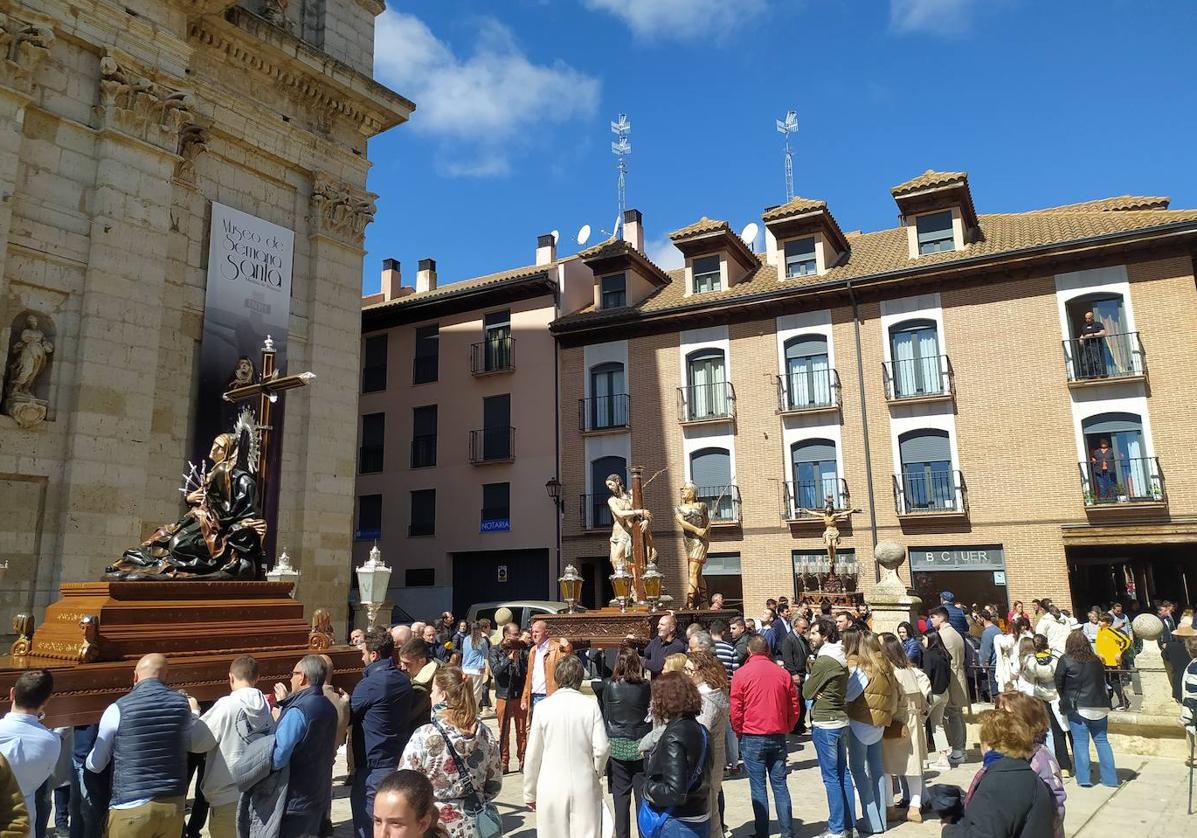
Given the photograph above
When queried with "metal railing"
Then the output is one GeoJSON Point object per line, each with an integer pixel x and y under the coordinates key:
{"type": "Point", "coordinates": [370, 459]}
{"type": "Point", "coordinates": [594, 513]}
{"type": "Point", "coordinates": [813, 390]}
{"type": "Point", "coordinates": [706, 402]}
{"type": "Point", "coordinates": [1125, 480]}
{"type": "Point", "coordinates": [424, 368]}
{"type": "Point", "coordinates": [804, 500]}
{"type": "Point", "coordinates": [489, 445]}
{"type": "Point", "coordinates": [723, 503]}
{"type": "Point", "coordinates": [492, 355]}
{"type": "Point", "coordinates": [930, 493]}
{"type": "Point", "coordinates": [918, 378]}
{"type": "Point", "coordinates": [599, 413]}
{"type": "Point", "coordinates": [1118, 355]}
{"type": "Point", "coordinates": [423, 450]}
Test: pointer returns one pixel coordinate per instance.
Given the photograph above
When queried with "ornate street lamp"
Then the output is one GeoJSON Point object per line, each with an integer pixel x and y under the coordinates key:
{"type": "Point", "coordinates": [283, 572]}
{"type": "Point", "coordinates": [652, 585]}
{"type": "Point", "coordinates": [570, 584]}
{"type": "Point", "coordinates": [553, 487]}
{"type": "Point", "coordinates": [621, 582]}
{"type": "Point", "coordinates": [372, 580]}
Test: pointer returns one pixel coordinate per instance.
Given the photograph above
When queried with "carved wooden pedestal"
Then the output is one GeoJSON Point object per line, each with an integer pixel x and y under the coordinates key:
{"type": "Point", "coordinates": [95, 633]}
{"type": "Point", "coordinates": [609, 628]}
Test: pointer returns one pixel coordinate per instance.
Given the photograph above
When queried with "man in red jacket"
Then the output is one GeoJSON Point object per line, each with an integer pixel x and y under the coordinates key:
{"type": "Point", "coordinates": [764, 708]}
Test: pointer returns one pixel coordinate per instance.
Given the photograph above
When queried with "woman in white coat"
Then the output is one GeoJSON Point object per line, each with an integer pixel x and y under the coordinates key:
{"type": "Point", "coordinates": [565, 759]}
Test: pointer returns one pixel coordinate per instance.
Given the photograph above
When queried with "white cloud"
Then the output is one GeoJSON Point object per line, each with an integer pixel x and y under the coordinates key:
{"type": "Point", "coordinates": [481, 103]}
{"type": "Point", "coordinates": [939, 17]}
{"type": "Point", "coordinates": [663, 254]}
{"type": "Point", "coordinates": [679, 19]}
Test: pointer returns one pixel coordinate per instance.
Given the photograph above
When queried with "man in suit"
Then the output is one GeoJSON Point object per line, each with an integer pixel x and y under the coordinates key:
{"type": "Point", "coordinates": [953, 718]}
{"type": "Point", "coordinates": [542, 663]}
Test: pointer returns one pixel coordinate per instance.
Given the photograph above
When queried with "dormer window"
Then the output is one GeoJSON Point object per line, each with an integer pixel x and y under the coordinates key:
{"type": "Point", "coordinates": [613, 291]}
{"type": "Point", "coordinates": [800, 257]}
{"type": "Point", "coordinates": [707, 275]}
{"type": "Point", "coordinates": [935, 232]}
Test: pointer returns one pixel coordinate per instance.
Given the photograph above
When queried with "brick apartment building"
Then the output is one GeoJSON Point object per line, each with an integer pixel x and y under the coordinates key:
{"type": "Point", "coordinates": [933, 376]}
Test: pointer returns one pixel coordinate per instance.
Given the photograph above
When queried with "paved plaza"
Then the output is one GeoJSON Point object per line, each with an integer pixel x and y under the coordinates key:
{"type": "Point", "coordinates": [1151, 800]}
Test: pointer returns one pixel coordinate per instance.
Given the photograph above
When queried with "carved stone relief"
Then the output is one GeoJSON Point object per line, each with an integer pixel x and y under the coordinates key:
{"type": "Point", "coordinates": [28, 359]}
{"type": "Point", "coordinates": [136, 105]}
{"type": "Point", "coordinates": [22, 47]}
{"type": "Point", "coordinates": [193, 141]}
{"type": "Point", "coordinates": [340, 211]}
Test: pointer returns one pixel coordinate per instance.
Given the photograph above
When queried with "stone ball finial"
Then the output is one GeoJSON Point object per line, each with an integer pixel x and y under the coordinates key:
{"type": "Point", "coordinates": [889, 554]}
{"type": "Point", "coordinates": [502, 616]}
{"type": "Point", "coordinates": [1148, 627]}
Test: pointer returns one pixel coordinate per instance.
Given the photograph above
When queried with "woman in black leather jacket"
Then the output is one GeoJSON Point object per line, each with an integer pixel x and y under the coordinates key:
{"type": "Point", "coordinates": [1085, 701]}
{"type": "Point", "coordinates": [678, 771]}
{"type": "Point", "coordinates": [624, 700]}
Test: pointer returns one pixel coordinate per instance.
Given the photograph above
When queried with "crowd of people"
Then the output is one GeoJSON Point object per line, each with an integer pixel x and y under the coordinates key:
{"type": "Point", "coordinates": [667, 724]}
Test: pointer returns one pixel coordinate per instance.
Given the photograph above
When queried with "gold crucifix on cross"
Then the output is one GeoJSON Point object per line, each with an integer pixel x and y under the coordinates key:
{"type": "Point", "coordinates": [267, 388]}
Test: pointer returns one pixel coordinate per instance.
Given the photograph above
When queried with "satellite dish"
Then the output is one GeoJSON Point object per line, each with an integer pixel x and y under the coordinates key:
{"type": "Point", "coordinates": [748, 234]}
{"type": "Point", "coordinates": [615, 227]}
{"type": "Point", "coordinates": [584, 234]}
{"type": "Point", "coordinates": [556, 234]}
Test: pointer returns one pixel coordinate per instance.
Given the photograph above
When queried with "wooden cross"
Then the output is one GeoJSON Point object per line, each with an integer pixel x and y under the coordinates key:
{"type": "Point", "coordinates": [267, 388]}
{"type": "Point", "coordinates": [638, 551]}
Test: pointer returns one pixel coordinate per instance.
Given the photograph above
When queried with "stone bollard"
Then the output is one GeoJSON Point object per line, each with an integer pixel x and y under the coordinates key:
{"type": "Point", "coordinates": [1156, 688]}
{"type": "Point", "coordinates": [889, 600]}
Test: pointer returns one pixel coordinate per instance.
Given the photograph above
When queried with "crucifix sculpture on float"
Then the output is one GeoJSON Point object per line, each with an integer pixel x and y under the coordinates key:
{"type": "Point", "coordinates": [221, 535]}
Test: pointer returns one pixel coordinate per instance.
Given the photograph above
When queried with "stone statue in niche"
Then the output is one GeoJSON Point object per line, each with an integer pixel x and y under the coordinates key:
{"type": "Point", "coordinates": [27, 361]}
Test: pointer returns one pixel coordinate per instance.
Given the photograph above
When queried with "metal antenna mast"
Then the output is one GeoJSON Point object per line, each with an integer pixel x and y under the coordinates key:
{"type": "Point", "coordinates": [786, 127]}
{"type": "Point", "coordinates": [621, 148]}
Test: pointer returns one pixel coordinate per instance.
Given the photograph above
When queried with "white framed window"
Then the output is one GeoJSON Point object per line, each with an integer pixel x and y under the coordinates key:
{"type": "Point", "coordinates": [800, 257]}
{"type": "Point", "coordinates": [707, 276]}
{"type": "Point", "coordinates": [935, 233]}
{"type": "Point", "coordinates": [613, 291]}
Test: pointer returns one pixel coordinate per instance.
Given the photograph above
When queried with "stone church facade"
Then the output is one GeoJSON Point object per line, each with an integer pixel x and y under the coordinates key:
{"type": "Point", "coordinates": [120, 123]}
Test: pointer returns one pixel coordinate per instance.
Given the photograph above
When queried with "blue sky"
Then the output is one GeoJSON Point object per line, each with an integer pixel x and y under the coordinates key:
{"type": "Point", "coordinates": [1042, 103]}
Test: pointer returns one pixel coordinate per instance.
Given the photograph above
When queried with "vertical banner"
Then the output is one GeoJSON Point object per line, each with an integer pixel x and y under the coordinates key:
{"type": "Point", "coordinates": [248, 297]}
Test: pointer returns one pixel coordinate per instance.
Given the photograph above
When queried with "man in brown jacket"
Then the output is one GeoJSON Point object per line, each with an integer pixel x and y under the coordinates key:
{"type": "Point", "coordinates": [542, 661]}
{"type": "Point", "coordinates": [953, 719]}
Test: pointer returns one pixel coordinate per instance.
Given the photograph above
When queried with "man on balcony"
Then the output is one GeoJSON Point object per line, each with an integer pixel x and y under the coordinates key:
{"type": "Point", "coordinates": [1105, 470]}
{"type": "Point", "coordinates": [1093, 348]}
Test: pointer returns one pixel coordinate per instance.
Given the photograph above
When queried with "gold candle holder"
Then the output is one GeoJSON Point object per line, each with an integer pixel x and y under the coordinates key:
{"type": "Point", "coordinates": [621, 582]}
{"type": "Point", "coordinates": [570, 585]}
{"type": "Point", "coordinates": [652, 579]}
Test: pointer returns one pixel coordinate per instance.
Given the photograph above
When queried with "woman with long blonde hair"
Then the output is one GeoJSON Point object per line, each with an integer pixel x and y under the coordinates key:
{"type": "Point", "coordinates": [871, 702]}
{"type": "Point", "coordinates": [457, 753]}
{"type": "Point", "coordinates": [904, 753]}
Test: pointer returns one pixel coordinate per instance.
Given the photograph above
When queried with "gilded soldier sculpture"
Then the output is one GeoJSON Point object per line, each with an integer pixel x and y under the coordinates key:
{"type": "Point", "coordinates": [220, 536]}
{"type": "Point", "coordinates": [693, 516]}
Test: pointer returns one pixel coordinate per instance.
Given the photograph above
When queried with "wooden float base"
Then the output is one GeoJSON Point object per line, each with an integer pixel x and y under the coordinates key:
{"type": "Point", "coordinates": [610, 628]}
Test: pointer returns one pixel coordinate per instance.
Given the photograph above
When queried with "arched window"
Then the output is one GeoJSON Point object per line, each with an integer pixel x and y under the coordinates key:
{"type": "Point", "coordinates": [710, 471]}
{"type": "Point", "coordinates": [927, 476]}
{"type": "Point", "coordinates": [706, 379]}
{"type": "Point", "coordinates": [914, 350]}
{"type": "Point", "coordinates": [1118, 463]}
{"type": "Point", "coordinates": [600, 513]}
{"type": "Point", "coordinates": [815, 474]}
{"type": "Point", "coordinates": [808, 373]}
{"type": "Point", "coordinates": [608, 396]}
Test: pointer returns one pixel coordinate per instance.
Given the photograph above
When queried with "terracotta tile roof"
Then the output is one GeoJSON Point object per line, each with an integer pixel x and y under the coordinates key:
{"type": "Point", "coordinates": [618, 247]}
{"type": "Point", "coordinates": [702, 225]}
{"type": "Point", "coordinates": [886, 251]}
{"type": "Point", "coordinates": [794, 206]}
{"type": "Point", "coordinates": [450, 288]}
{"type": "Point", "coordinates": [1121, 203]}
{"type": "Point", "coordinates": [929, 179]}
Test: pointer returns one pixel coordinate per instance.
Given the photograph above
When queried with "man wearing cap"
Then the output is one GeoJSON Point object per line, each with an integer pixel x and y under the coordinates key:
{"type": "Point", "coordinates": [956, 616]}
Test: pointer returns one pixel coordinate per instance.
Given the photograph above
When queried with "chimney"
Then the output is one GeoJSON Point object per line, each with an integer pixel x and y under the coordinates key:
{"type": "Point", "coordinates": [546, 249]}
{"type": "Point", "coordinates": [633, 229]}
{"type": "Point", "coordinates": [426, 276]}
{"type": "Point", "coordinates": [391, 279]}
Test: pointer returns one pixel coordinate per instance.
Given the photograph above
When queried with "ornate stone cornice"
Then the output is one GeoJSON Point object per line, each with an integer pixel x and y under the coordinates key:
{"type": "Point", "coordinates": [23, 45]}
{"type": "Point", "coordinates": [339, 210]}
{"type": "Point", "coordinates": [133, 104]}
{"type": "Point", "coordinates": [196, 8]}
{"type": "Point", "coordinates": [321, 83]}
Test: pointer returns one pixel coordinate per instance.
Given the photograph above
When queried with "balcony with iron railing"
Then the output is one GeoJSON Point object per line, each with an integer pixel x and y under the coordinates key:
{"type": "Point", "coordinates": [723, 504]}
{"type": "Point", "coordinates": [1097, 360]}
{"type": "Point", "coordinates": [930, 494]}
{"type": "Point", "coordinates": [702, 403]}
{"type": "Point", "coordinates": [928, 379]}
{"type": "Point", "coordinates": [602, 414]}
{"type": "Point", "coordinates": [594, 513]}
{"type": "Point", "coordinates": [1125, 483]}
{"type": "Point", "coordinates": [493, 355]}
{"type": "Point", "coordinates": [423, 450]}
{"type": "Point", "coordinates": [814, 391]}
{"type": "Point", "coordinates": [492, 445]}
{"type": "Point", "coordinates": [803, 501]}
